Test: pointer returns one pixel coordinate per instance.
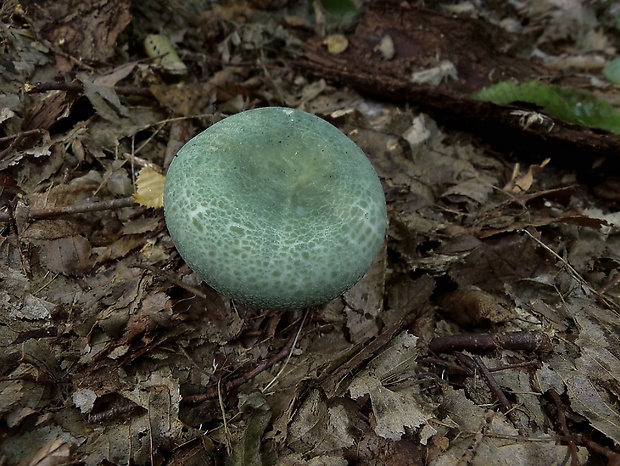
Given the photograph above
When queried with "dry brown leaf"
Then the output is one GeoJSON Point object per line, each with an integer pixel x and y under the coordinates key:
{"type": "Point", "coordinates": [69, 255]}
{"type": "Point", "coordinates": [111, 331]}
{"type": "Point", "coordinates": [497, 440]}
{"type": "Point", "coordinates": [105, 102]}
{"type": "Point", "coordinates": [365, 301]}
{"type": "Point", "coordinates": [55, 452]}
{"type": "Point", "coordinates": [592, 380]}
{"type": "Point", "coordinates": [120, 248]}
{"type": "Point", "coordinates": [191, 99]}
{"type": "Point", "coordinates": [520, 183]}
{"type": "Point", "coordinates": [85, 29]}
{"type": "Point", "coordinates": [321, 426]}
{"type": "Point", "coordinates": [394, 410]}
{"type": "Point", "coordinates": [475, 307]}
{"type": "Point", "coordinates": [52, 229]}
{"type": "Point", "coordinates": [49, 108]}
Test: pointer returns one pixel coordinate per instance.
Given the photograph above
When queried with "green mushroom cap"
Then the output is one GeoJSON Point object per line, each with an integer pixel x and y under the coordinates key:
{"type": "Point", "coordinates": [275, 208]}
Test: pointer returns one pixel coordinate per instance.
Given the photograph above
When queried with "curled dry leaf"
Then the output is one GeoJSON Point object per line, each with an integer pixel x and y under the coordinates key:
{"type": "Point", "coordinates": [394, 409]}
{"type": "Point", "coordinates": [336, 44]}
{"type": "Point", "coordinates": [159, 46]}
{"type": "Point", "coordinates": [475, 307]}
{"type": "Point", "coordinates": [150, 192]}
{"type": "Point", "coordinates": [54, 452]}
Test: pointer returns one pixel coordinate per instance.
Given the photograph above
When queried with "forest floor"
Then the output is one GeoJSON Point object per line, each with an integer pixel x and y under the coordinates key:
{"type": "Point", "coordinates": [487, 330]}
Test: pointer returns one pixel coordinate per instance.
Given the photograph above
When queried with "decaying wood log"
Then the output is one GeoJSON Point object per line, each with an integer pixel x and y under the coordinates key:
{"type": "Point", "coordinates": [471, 54]}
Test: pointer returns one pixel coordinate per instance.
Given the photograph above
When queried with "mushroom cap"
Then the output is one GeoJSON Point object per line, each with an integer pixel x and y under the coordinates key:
{"type": "Point", "coordinates": [275, 208]}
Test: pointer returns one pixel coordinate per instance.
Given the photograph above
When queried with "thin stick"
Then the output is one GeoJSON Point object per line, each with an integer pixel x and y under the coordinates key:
{"type": "Point", "coordinates": [527, 341]}
{"type": "Point", "coordinates": [504, 403]}
{"type": "Point", "coordinates": [228, 387]}
{"type": "Point", "coordinates": [223, 410]}
{"type": "Point", "coordinates": [564, 427]}
{"type": "Point", "coordinates": [84, 207]}
{"type": "Point", "coordinates": [173, 278]}
{"type": "Point", "coordinates": [33, 88]}
{"type": "Point", "coordinates": [364, 351]}
{"type": "Point", "coordinates": [290, 353]}
{"type": "Point", "coordinates": [21, 135]}
{"type": "Point", "coordinates": [571, 271]}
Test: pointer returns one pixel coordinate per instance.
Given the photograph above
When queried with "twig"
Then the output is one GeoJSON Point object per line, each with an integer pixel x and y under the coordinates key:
{"type": "Point", "coordinates": [34, 88]}
{"type": "Point", "coordinates": [84, 207]}
{"type": "Point", "coordinates": [609, 285]}
{"type": "Point", "coordinates": [569, 267]}
{"type": "Point", "coordinates": [564, 427]}
{"type": "Point", "coordinates": [290, 354]}
{"type": "Point", "coordinates": [332, 381]}
{"type": "Point", "coordinates": [150, 429]}
{"type": "Point", "coordinates": [20, 135]}
{"type": "Point", "coordinates": [230, 386]}
{"type": "Point", "coordinates": [113, 412]}
{"type": "Point", "coordinates": [613, 458]}
{"type": "Point", "coordinates": [504, 403]}
{"type": "Point", "coordinates": [16, 139]}
{"type": "Point", "coordinates": [528, 341]}
{"type": "Point", "coordinates": [173, 278]}
{"type": "Point", "coordinates": [220, 399]}
{"type": "Point", "coordinates": [448, 366]}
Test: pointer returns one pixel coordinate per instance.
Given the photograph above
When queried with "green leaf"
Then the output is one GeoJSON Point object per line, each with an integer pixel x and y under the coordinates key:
{"type": "Point", "coordinates": [612, 71]}
{"type": "Point", "coordinates": [563, 103]}
{"type": "Point", "coordinates": [339, 11]}
{"type": "Point", "coordinates": [248, 452]}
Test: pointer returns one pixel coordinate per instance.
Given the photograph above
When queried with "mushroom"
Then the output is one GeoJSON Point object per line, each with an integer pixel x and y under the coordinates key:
{"type": "Point", "coordinates": [276, 208]}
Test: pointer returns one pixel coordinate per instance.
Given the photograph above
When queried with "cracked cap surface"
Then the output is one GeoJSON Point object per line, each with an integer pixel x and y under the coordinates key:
{"type": "Point", "coordinates": [276, 208]}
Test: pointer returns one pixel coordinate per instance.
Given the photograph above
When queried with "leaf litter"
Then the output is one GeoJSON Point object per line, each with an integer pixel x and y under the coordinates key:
{"type": "Point", "coordinates": [114, 352]}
